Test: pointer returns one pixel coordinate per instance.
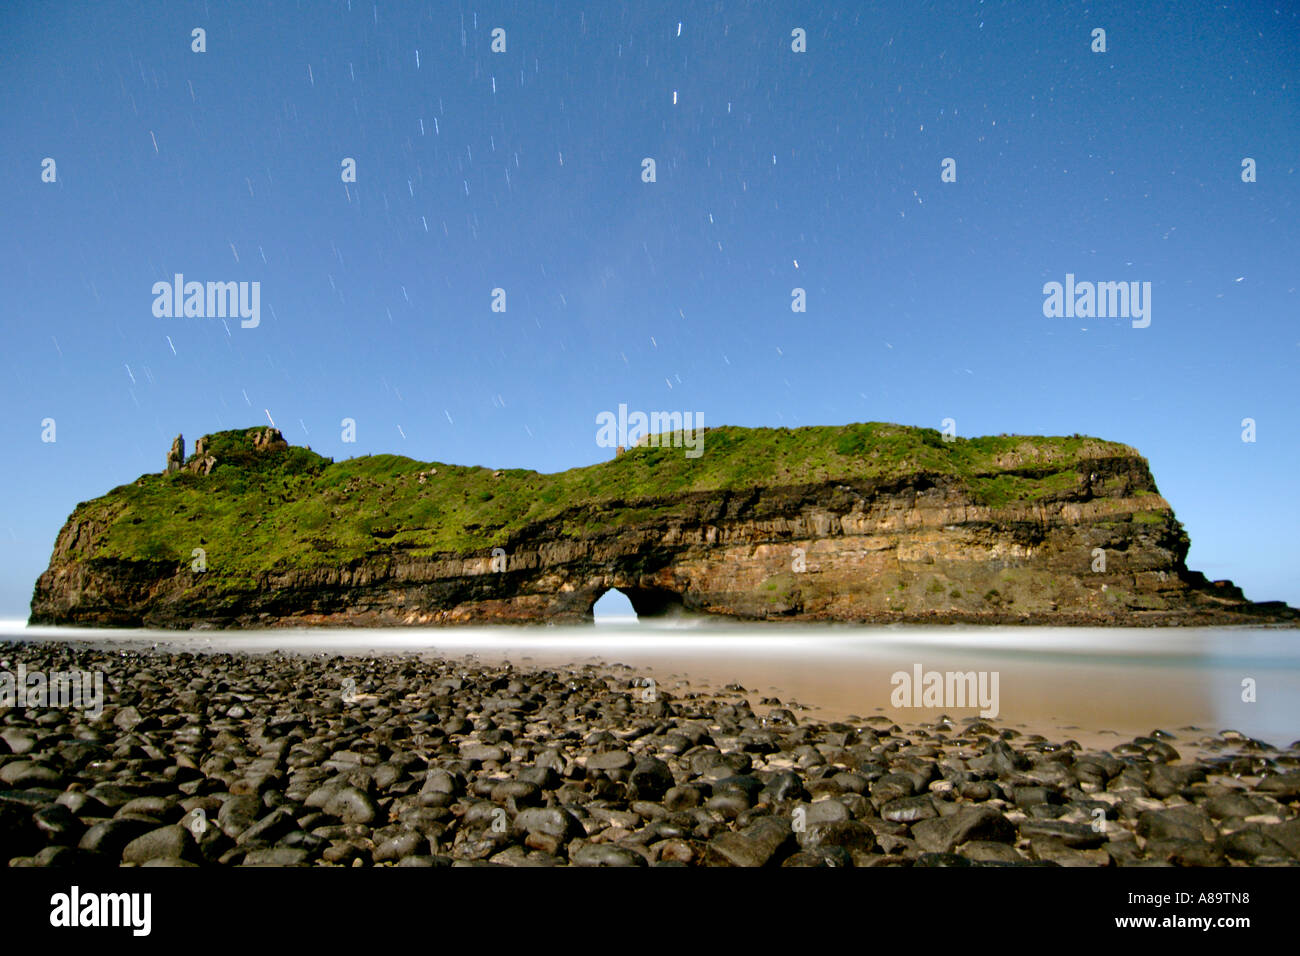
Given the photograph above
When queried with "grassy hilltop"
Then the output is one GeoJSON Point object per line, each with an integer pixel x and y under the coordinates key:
{"type": "Point", "coordinates": [259, 510]}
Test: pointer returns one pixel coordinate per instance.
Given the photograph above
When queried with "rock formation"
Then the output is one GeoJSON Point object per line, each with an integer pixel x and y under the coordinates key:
{"type": "Point", "coordinates": [865, 523]}
{"type": "Point", "coordinates": [270, 439]}
{"type": "Point", "coordinates": [176, 457]}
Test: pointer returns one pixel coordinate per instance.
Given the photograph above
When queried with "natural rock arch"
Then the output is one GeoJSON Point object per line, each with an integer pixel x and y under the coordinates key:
{"type": "Point", "coordinates": [879, 531]}
{"type": "Point", "coordinates": [613, 607]}
{"type": "Point", "coordinates": [648, 602]}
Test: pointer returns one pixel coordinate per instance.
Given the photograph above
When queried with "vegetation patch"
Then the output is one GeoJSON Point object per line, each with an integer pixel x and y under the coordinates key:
{"type": "Point", "coordinates": [291, 508]}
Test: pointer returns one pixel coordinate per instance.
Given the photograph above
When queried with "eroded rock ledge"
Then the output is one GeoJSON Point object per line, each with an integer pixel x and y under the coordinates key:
{"type": "Point", "coordinates": [861, 523]}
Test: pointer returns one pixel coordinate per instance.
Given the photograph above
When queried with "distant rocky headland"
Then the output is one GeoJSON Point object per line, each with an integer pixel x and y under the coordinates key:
{"type": "Point", "coordinates": [871, 523]}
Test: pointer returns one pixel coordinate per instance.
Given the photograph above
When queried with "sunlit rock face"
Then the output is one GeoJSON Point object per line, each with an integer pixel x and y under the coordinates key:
{"type": "Point", "coordinates": [1096, 544]}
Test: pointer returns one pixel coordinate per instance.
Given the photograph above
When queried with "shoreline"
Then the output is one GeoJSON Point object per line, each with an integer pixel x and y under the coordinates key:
{"type": "Point", "coordinates": [1095, 686]}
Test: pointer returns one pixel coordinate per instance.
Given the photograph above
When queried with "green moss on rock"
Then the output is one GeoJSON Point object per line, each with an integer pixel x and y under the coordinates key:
{"type": "Point", "coordinates": [283, 508]}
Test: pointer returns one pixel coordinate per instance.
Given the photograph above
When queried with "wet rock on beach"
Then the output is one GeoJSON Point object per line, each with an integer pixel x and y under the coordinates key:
{"type": "Point", "coordinates": [296, 760]}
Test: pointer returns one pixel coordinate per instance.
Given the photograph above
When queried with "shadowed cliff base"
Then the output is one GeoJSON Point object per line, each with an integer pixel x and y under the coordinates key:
{"type": "Point", "coordinates": [870, 523]}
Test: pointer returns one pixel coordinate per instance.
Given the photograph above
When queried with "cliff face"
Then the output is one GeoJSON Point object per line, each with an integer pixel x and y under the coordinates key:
{"type": "Point", "coordinates": [868, 523]}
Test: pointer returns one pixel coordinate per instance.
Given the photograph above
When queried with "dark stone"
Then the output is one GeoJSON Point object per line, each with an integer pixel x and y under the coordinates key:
{"type": "Point", "coordinates": [352, 806]}
{"type": "Point", "coordinates": [1185, 852]}
{"type": "Point", "coordinates": [607, 854]}
{"type": "Point", "coordinates": [1005, 760]}
{"type": "Point", "coordinates": [1165, 781]}
{"type": "Point", "coordinates": [610, 760]}
{"type": "Point", "coordinates": [483, 753]}
{"type": "Point", "coordinates": [892, 786]}
{"type": "Point", "coordinates": [684, 797]}
{"type": "Point", "coordinates": [1051, 849]}
{"type": "Point", "coordinates": [110, 837]}
{"type": "Point", "coordinates": [1287, 834]}
{"type": "Point", "coordinates": [550, 821]}
{"type": "Point", "coordinates": [784, 786]}
{"type": "Point", "coordinates": [763, 843]}
{"type": "Point", "coordinates": [276, 856]}
{"type": "Point", "coordinates": [730, 803]}
{"type": "Point", "coordinates": [1030, 796]}
{"type": "Point", "coordinates": [58, 824]}
{"type": "Point", "coordinates": [909, 809]}
{"type": "Point", "coordinates": [944, 834]}
{"type": "Point", "coordinates": [1079, 836]}
{"type": "Point", "coordinates": [985, 851]}
{"type": "Point", "coordinates": [403, 845]}
{"type": "Point", "coordinates": [821, 856]}
{"type": "Point", "coordinates": [941, 859]}
{"type": "Point", "coordinates": [268, 829]}
{"type": "Point", "coordinates": [162, 809]}
{"type": "Point", "coordinates": [747, 784]}
{"type": "Point", "coordinates": [25, 774]}
{"type": "Point", "coordinates": [1176, 823]}
{"type": "Point", "coordinates": [809, 815]}
{"type": "Point", "coordinates": [1251, 843]}
{"type": "Point", "coordinates": [238, 813]}
{"type": "Point", "coordinates": [168, 842]}
{"type": "Point", "coordinates": [1281, 786]}
{"type": "Point", "coordinates": [852, 835]}
{"type": "Point", "coordinates": [651, 778]}
{"type": "Point", "coordinates": [521, 792]}
{"type": "Point", "coordinates": [980, 790]}
{"type": "Point", "coordinates": [545, 777]}
{"type": "Point", "coordinates": [1226, 806]}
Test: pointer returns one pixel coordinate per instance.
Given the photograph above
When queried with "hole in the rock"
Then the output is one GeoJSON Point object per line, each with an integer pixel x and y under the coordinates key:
{"type": "Point", "coordinates": [633, 603]}
{"type": "Point", "coordinates": [613, 607]}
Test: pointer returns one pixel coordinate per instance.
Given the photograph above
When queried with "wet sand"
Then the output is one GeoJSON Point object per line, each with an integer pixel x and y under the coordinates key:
{"type": "Point", "coordinates": [1096, 686]}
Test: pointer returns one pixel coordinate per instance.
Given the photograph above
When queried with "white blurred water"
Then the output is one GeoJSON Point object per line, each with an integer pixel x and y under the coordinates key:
{"type": "Point", "coordinates": [1075, 682]}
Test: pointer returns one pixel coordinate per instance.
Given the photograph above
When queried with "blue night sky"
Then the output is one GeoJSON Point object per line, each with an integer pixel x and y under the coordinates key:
{"type": "Point", "coordinates": [775, 170]}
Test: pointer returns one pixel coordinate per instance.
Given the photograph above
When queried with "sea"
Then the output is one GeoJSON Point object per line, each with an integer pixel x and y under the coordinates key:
{"type": "Point", "coordinates": [1098, 686]}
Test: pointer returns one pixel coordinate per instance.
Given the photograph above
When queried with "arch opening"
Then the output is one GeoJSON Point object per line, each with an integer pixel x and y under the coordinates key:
{"type": "Point", "coordinates": [613, 607]}
{"type": "Point", "coordinates": [623, 605]}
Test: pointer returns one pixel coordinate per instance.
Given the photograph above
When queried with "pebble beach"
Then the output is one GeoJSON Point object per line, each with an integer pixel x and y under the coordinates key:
{"type": "Point", "coordinates": [233, 759]}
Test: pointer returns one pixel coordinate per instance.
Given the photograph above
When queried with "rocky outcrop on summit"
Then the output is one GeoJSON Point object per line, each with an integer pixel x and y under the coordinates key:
{"type": "Point", "coordinates": [176, 457]}
{"type": "Point", "coordinates": [202, 463]}
{"type": "Point", "coordinates": [865, 523]}
{"type": "Point", "coordinates": [266, 439]}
